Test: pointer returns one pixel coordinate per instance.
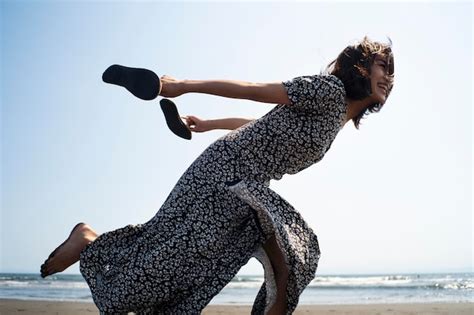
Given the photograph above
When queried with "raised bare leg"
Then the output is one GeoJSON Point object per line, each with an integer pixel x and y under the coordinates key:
{"type": "Point", "coordinates": [68, 252]}
{"type": "Point", "coordinates": [281, 272]}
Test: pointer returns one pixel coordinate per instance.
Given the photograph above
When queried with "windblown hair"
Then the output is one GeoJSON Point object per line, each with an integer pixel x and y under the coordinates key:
{"type": "Point", "coordinates": [352, 67]}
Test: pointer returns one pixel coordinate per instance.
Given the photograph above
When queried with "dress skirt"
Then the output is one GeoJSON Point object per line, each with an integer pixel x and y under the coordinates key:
{"type": "Point", "coordinates": [214, 220]}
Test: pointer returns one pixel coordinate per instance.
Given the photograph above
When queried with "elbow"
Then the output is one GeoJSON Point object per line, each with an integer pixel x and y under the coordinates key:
{"type": "Point", "coordinates": [274, 93]}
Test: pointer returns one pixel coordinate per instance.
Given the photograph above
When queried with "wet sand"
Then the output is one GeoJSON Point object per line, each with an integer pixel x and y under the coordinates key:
{"type": "Point", "coordinates": [76, 308]}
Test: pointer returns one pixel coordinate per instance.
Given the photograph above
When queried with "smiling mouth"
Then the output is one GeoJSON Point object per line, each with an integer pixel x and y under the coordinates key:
{"type": "Point", "coordinates": [383, 87]}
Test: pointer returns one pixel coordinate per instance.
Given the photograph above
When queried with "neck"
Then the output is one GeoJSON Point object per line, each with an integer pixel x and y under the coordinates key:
{"type": "Point", "coordinates": [355, 107]}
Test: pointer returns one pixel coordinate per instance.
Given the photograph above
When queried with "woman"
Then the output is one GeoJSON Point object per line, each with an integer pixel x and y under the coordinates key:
{"type": "Point", "coordinates": [222, 212]}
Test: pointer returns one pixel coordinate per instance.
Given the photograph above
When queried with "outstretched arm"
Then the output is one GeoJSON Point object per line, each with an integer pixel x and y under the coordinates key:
{"type": "Point", "coordinates": [197, 125]}
{"type": "Point", "coordinates": [274, 93]}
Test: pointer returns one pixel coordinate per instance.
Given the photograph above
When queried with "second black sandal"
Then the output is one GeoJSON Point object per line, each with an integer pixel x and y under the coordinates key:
{"type": "Point", "coordinates": [173, 120]}
{"type": "Point", "coordinates": [142, 83]}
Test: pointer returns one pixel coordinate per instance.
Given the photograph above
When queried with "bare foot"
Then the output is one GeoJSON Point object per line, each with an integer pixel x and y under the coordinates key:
{"type": "Point", "coordinates": [68, 252]}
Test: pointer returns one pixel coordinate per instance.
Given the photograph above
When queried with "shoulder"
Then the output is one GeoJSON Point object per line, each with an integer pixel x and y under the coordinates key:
{"type": "Point", "coordinates": [315, 82]}
{"type": "Point", "coordinates": [312, 91]}
{"type": "Point", "coordinates": [332, 83]}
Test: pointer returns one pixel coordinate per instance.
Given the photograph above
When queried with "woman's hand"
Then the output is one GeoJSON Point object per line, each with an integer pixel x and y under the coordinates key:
{"type": "Point", "coordinates": [197, 125]}
{"type": "Point", "coordinates": [171, 87]}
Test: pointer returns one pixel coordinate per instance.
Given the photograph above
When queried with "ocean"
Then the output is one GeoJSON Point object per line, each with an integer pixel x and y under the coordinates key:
{"type": "Point", "coordinates": [324, 289]}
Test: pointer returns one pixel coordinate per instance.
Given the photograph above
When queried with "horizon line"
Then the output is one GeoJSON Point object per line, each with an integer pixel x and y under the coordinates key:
{"type": "Point", "coordinates": [321, 274]}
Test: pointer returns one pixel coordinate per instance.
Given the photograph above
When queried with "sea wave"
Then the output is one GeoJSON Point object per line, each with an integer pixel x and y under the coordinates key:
{"type": "Point", "coordinates": [43, 284]}
{"type": "Point", "coordinates": [393, 282]}
{"type": "Point", "coordinates": [243, 288]}
{"type": "Point", "coordinates": [447, 282]}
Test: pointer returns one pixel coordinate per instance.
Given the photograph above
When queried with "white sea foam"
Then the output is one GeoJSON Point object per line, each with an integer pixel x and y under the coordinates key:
{"type": "Point", "coordinates": [327, 289]}
{"type": "Point", "coordinates": [355, 281]}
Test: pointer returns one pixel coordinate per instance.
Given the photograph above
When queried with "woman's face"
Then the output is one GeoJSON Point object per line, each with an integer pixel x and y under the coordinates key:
{"type": "Point", "coordinates": [381, 82]}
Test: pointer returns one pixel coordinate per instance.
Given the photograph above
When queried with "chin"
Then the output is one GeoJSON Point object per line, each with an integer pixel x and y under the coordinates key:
{"type": "Point", "coordinates": [381, 99]}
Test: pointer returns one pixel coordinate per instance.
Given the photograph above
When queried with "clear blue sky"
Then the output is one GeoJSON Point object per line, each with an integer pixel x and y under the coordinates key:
{"type": "Point", "coordinates": [395, 196]}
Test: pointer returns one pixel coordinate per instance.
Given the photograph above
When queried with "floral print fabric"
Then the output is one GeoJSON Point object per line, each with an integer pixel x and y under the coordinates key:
{"type": "Point", "coordinates": [219, 214]}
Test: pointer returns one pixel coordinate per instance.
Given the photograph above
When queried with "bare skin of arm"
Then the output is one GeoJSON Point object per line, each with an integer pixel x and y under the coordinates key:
{"type": "Point", "coordinates": [273, 93]}
{"type": "Point", "coordinates": [199, 125]}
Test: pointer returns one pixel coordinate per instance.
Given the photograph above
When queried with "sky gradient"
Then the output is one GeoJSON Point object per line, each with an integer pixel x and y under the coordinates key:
{"type": "Point", "coordinates": [395, 196]}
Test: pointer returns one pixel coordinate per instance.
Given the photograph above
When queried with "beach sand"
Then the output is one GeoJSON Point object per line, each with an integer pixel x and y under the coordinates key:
{"type": "Point", "coordinates": [72, 308]}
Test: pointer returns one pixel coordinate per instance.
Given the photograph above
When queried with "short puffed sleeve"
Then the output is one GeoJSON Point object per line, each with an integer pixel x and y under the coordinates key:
{"type": "Point", "coordinates": [314, 92]}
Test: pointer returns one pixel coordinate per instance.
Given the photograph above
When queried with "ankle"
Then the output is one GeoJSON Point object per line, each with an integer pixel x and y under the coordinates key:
{"type": "Point", "coordinates": [87, 234]}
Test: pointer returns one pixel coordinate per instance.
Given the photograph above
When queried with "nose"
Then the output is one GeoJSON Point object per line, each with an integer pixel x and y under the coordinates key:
{"type": "Point", "coordinates": [388, 78]}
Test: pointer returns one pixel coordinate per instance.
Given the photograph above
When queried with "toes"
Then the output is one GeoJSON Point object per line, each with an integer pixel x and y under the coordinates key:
{"type": "Point", "coordinates": [48, 266]}
{"type": "Point", "coordinates": [44, 274]}
{"type": "Point", "coordinates": [43, 270]}
{"type": "Point", "coordinates": [50, 270]}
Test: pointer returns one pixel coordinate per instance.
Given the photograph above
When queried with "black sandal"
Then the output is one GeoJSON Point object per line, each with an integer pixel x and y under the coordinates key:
{"type": "Point", "coordinates": [142, 83]}
{"type": "Point", "coordinates": [173, 120]}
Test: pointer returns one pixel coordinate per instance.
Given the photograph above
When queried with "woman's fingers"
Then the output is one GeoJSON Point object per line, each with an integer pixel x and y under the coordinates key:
{"type": "Point", "coordinates": [189, 122]}
{"type": "Point", "coordinates": [195, 124]}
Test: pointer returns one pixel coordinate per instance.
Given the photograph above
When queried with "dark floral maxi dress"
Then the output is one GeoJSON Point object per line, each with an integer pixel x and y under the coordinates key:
{"type": "Point", "coordinates": [220, 213]}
